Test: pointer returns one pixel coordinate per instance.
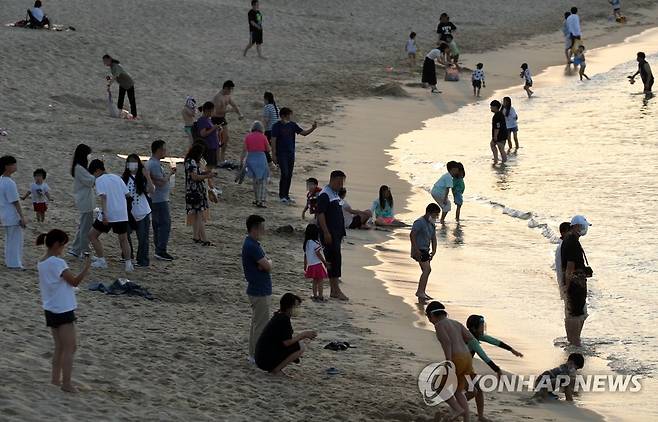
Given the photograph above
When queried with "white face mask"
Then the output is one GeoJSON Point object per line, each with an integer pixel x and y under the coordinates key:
{"type": "Point", "coordinates": [132, 167]}
{"type": "Point", "coordinates": [433, 220]}
{"type": "Point", "coordinates": [296, 311]}
{"type": "Point", "coordinates": [583, 231]}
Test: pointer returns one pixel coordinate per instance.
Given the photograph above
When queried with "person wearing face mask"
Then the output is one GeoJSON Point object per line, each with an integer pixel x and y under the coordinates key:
{"type": "Point", "coordinates": [83, 195]}
{"type": "Point", "coordinates": [277, 347]}
{"type": "Point", "coordinates": [423, 233]}
{"type": "Point", "coordinates": [139, 184]}
{"type": "Point", "coordinates": [576, 272]}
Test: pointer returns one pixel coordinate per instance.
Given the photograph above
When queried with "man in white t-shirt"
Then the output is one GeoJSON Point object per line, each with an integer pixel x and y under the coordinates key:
{"type": "Point", "coordinates": [112, 193]}
{"type": "Point", "coordinates": [573, 26]}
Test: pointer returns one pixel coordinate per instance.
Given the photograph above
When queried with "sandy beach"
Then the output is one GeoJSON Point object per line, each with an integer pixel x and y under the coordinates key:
{"type": "Point", "coordinates": [183, 355]}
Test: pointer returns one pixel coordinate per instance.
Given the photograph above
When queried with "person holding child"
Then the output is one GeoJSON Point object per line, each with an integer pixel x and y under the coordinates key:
{"type": "Point", "coordinates": [315, 265]}
{"type": "Point", "coordinates": [56, 283]}
{"type": "Point", "coordinates": [40, 193]}
{"type": "Point", "coordinates": [11, 214]}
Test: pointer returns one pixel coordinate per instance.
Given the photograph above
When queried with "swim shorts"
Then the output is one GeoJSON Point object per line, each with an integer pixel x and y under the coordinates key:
{"type": "Point", "coordinates": [464, 367]}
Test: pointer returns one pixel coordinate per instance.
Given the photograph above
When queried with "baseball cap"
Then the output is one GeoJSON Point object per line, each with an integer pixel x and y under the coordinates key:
{"type": "Point", "coordinates": [580, 220]}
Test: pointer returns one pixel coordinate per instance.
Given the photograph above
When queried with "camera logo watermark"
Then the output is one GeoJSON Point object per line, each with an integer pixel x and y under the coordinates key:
{"type": "Point", "coordinates": [437, 382]}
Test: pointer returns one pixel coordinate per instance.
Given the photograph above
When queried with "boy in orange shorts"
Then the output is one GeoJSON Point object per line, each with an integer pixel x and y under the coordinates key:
{"type": "Point", "coordinates": [454, 338]}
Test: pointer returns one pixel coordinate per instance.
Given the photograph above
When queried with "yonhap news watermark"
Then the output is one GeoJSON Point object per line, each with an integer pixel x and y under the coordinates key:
{"type": "Point", "coordinates": [438, 382]}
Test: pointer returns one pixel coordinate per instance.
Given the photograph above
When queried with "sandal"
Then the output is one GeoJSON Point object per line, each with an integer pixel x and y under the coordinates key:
{"type": "Point", "coordinates": [196, 240]}
{"type": "Point", "coordinates": [207, 243]}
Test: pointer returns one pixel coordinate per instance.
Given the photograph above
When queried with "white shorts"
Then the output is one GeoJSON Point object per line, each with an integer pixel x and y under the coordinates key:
{"type": "Point", "coordinates": [438, 197]}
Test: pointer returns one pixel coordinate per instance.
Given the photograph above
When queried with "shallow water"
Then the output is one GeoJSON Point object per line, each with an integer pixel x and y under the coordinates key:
{"type": "Point", "coordinates": [587, 148]}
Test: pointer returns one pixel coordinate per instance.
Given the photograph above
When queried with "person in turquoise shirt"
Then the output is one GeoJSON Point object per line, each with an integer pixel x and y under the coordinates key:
{"type": "Point", "coordinates": [382, 209]}
{"type": "Point", "coordinates": [458, 188]}
{"type": "Point", "coordinates": [476, 325]}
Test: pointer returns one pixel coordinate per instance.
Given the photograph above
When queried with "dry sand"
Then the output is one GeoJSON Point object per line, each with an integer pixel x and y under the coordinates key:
{"type": "Point", "coordinates": [183, 357]}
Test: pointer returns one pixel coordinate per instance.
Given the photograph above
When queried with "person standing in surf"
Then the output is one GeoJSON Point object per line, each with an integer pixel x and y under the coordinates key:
{"type": "Point", "coordinates": [644, 70]}
{"type": "Point", "coordinates": [498, 132]}
{"type": "Point", "coordinates": [423, 235]}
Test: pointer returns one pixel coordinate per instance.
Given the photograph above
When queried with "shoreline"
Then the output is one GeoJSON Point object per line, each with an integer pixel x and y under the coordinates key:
{"type": "Point", "coordinates": [399, 324]}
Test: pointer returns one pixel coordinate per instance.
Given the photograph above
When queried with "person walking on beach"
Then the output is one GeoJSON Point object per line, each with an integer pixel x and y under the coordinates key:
{"type": "Point", "coordinates": [422, 236]}
{"type": "Point", "coordinates": [644, 70]}
{"type": "Point", "coordinates": [410, 48]}
{"type": "Point", "coordinates": [527, 79]}
{"type": "Point", "coordinates": [255, 18]}
{"type": "Point", "coordinates": [441, 189]}
{"type": "Point", "coordinates": [84, 198]}
{"type": "Point", "coordinates": [277, 347]}
{"type": "Point", "coordinates": [56, 283]}
{"type": "Point", "coordinates": [222, 101]}
{"type": "Point", "coordinates": [576, 272]}
{"type": "Point", "coordinates": [40, 193]}
{"type": "Point", "coordinates": [498, 132]}
{"type": "Point", "coordinates": [511, 122]}
{"type": "Point", "coordinates": [283, 149]}
{"type": "Point", "coordinates": [113, 193]}
{"type": "Point", "coordinates": [126, 84]}
{"type": "Point", "coordinates": [257, 267]}
{"type": "Point", "coordinates": [453, 337]}
{"type": "Point", "coordinates": [160, 211]}
{"type": "Point", "coordinates": [567, 38]}
{"type": "Point", "coordinates": [477, 79]}
{"type": "Point", "coordinates": [573, 26]}
{"type": "Point", "coordinates": [429, 69]}
{"type": "Point", "coordinates": [11, 214]}
{"type": "Point", "coordinates": [139, 184]}
{"type": "Point", "coordinates": [332, 226]}
{"type": "Point", "coordinates": [254, 157]}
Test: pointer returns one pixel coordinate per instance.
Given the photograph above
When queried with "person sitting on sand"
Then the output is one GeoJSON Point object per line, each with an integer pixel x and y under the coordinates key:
{"type": "Point", "coordinates": [382, 209]}
{"type": "Point", "coordinates": [476, 325]}
{"type": "Point", "coordinates": [422, 236]}
{"type": "Point", "coordinates": [354, 219]}
{"type": "Point", "coordinates": [442, 187]}
{"type": "Point", "coordinates": [453, 337]}
{"type": "Point", "coordinates": [56, 283]}
{"type": "Point", "coordinates": [36, 17]}
{"type": "Point", "coordinates": [277, 347]}
{"type": "Point", "coordinates": [562, 376]}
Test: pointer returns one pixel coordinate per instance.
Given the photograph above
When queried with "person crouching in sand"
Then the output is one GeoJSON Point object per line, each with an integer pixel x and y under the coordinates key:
{"type": "Point", "coordinates": [277, 347]}
{"type": "Point", "coordinates": [454, 338]}
{"type": "Point", "coordinates": [56, 283]}
{"type": "Point", "coordinates": [551, 380]}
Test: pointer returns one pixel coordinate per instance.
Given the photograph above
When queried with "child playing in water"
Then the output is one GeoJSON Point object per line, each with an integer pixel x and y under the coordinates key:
{"type": "Point", "coordinates": [477, 79]}
{"type": "Point", "coordinates": [411, 49]}
{"type": "Point", "coordinates": [56, 283]}
{"type": "Point", "coordinates": [315, 265]}
{"type": "Point", "coordinates": [312, 192]}
{"type": "Point", "coordinates": [454, 338]}
{"type": "Point", "coordinates": [458, 188]}
{"type": "Point", "coordinates": [616, 10]}
{"type": "Point", "coordinates": [511, 122]}
{"type": "Point", "coordinates": [189, 116]}
{"type": "Point", "coordinates": [40, 193]}
{"type": "Point", "coordinates": [442, 187]}
{"type": "Point", "coordinates": [579, 60]}
{"type": "Point", "coordinates": [562, 376]}
{"type": "Point", "coordinates": [527, 77]}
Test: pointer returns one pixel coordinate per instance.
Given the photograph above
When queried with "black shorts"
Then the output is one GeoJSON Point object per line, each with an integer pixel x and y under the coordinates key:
{"type": "Point", "coordinates": [256, 37]}
{"type": "Point", "coordinates": [218, 120]}
{"type": "Point", "coordinates": [356, 222]}
{"type": "Point", "coordinates": [119, 227]}
{"type": "Point", "coordinates": [334, 257]}
{"type": "Point", "coordinates": [210, 155]}
{"type": "Point", "coordinates": [54, 320]}
{"type": "Point", "coordinates": [477, 84]}
{"type": "Point", "coordinates": [424, 256]}
{"type": "Point", "coordinates": [528, 83]}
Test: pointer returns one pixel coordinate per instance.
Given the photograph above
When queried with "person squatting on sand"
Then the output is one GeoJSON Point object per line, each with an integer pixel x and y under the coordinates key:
{"type": "Point", "coordinates": [277, 346]}
{"type": "Point", "coordinates": [257, 267]}
{"type": "Point", "coordinates": [56, 283]}
{"type": "Point", "coordinates": [11, 214]}
{"type": "Point", "coordinates": [422, 236]}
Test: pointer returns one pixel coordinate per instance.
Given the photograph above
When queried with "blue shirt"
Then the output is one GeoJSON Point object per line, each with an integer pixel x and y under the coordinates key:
{"type": "Point", "coordinates": [285, 136]}
{"type": "Point", "coordinates": [259, 283]}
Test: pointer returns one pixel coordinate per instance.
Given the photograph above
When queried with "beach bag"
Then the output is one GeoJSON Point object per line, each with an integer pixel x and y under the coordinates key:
{"type": "Point", "coordinates": [452, 74]}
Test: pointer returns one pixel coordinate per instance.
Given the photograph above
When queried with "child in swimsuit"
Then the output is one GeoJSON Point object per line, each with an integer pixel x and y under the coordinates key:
{"type": "Point", "coordinates": [579, 60]}
{"type": "Point", "coordinates": [562, 376]}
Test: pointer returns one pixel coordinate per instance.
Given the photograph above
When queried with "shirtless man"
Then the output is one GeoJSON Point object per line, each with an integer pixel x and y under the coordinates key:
{"type": "Point", "coordinates": [222, 101]}
{"type": "Point", "coordinates": [454, 338]}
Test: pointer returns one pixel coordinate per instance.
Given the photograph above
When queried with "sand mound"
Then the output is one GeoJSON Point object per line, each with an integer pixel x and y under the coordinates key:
{"type": "Point", "coordinates": [390, 89]}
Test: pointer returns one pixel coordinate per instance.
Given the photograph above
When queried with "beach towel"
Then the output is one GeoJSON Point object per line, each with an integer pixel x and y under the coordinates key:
{"type": "Point", "coordinates": [26, 25]}
{"type": "Point", "coordinates": [121, 287]}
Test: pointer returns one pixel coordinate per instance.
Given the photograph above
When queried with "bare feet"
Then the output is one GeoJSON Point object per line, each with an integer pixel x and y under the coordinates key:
{"type": "Point", "coordinates": [69, 388]}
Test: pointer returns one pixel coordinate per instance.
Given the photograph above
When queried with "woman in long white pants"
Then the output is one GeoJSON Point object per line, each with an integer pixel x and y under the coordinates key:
{"type": "Point", "coordinates": [11, 214]}
{"type": "Point", "coordinates": [83, 193]}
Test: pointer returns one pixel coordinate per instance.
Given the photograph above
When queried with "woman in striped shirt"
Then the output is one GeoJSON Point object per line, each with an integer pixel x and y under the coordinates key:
{"type": "Point", "coordinates": [270, 114]}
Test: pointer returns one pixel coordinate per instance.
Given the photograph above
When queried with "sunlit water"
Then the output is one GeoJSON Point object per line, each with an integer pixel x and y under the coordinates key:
{"type": "Point", "coordinates": [587, 148]}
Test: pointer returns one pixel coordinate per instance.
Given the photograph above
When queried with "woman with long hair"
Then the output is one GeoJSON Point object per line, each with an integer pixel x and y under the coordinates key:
{"type": "Point", "coordinates": [382, 209]}
{"type": "Point", "coordinates": [11, 214]}
{"type": "Point", "coordinates": [511, 119]}
{"type": "Point", "coordinates": [254, 157]}
{"type": "Point", "coordinates": [126, 84]}
{"type": "Point", "coordinates": [138, 181]}
{"type": "Point", "coordinates": [270, 114]}
{"type": "Point", "coordinates": [84, 197]}
{"type": "Point", "coordinates": [196, 196]}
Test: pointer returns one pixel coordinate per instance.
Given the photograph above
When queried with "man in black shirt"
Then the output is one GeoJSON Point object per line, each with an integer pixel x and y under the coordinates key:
{"type": "Point", "coordinates": [644, 70]}
{"type": "Point", "coordinates": [255, 28]}
{"type": "Point", "coordinates": [445, 27]}
{"type": "Point", "coordinates": [498, 132]}
{"type": "Point", "coordinates": [575, 279]}
{"type": "Point", "coordinates": [332, 229]}
{"type": "Point", "coordinates": [276, 347]}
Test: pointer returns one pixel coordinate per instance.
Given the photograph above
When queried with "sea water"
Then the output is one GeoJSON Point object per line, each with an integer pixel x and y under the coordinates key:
{"type": "Point", "coordinates": [587, 148]}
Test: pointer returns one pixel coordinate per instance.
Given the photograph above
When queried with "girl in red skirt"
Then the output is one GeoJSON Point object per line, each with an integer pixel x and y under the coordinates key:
{"type": "Point", "coordinates": [315, 264]}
